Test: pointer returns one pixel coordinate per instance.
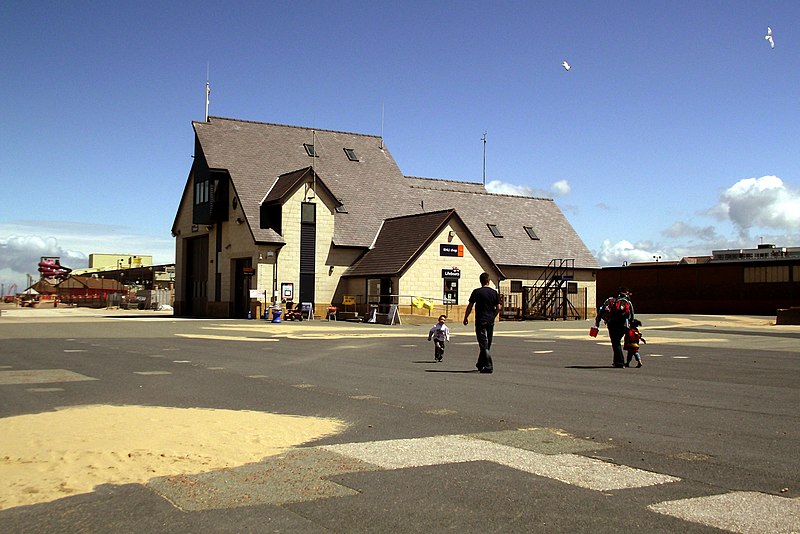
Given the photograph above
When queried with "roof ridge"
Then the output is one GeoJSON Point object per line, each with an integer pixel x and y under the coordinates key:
{"type": "Point", "coordinates": [444, 180]}
{"type": "Point", "coordinates": [421, 213]}
{"type": "Point", "coordinates": [482, 193]}
{"type": "Point", "coordinates": [285, 126]}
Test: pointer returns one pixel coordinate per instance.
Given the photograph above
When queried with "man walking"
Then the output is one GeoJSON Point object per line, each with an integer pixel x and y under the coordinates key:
{"type": "Point", "coordinates": [487, 306]}
{"type": "Point", "coordinates": [617, 312]}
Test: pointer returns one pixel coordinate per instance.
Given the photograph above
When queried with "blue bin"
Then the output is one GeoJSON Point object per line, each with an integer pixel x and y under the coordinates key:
{"type": "Point", "coordinates": [276, 315]}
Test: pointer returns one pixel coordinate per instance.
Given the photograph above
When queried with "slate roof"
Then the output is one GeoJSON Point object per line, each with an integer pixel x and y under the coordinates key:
{"type": "Point", "coordinates": [255, 154]}
{"type": "Point", "coordinates": [557, 238]}
{"type": "Point", "coordinates": [399, 242]}
{"type": "Point", "coordinates": [373, 189]}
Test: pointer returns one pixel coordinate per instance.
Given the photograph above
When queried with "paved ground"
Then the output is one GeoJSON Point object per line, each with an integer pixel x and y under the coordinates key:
{"type": "Point", "coordinates": [703, 438]}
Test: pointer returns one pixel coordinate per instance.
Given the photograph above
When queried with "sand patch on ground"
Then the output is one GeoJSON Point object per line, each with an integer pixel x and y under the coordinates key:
{"type": "Point", "coordinates": [47, 456]}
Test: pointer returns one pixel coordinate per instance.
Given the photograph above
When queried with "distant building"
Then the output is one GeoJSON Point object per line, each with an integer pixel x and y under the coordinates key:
{"type": "Point", "coordinates": [89, 292]}
{"type": "Point", "coordinates": [756, 281]}
{"type": "Point", "coordinates": [118, 261]}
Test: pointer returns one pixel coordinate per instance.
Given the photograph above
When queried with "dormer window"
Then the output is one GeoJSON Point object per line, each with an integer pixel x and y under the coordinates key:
{"type": "Point", "coordinates": [351, 154]}
{"type": "Point", "coordinates": [310, 150]}
{"type": "Point", "coordinates": [495, 231]}
{"type": "Point", "coordinates": [531, 233]}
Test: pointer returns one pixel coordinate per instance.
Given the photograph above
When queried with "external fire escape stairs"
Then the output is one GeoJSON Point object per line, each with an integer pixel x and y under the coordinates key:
{"type": "Point", "coordinates": [548, 298]}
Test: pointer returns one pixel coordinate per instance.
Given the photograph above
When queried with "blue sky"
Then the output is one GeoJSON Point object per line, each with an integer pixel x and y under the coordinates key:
{"type": "Point", "coordinates": [674, 133]}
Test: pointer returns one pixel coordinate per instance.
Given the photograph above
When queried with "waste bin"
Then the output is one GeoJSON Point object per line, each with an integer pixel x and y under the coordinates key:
{"type": "Point", "coordinates": [276, 315]}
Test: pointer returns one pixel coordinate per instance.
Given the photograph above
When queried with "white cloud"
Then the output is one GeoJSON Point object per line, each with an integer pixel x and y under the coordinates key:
{"type": "Point", "coordinates": [612, 254]}
{"type": "Point", "coordinates": [764, 202]}
{"type": "Point", "coordinates": [561, 188]}
{"type": "Point", "coordinates": [23, 243]}
{"type": "Point", "coordinates": [681, 229]}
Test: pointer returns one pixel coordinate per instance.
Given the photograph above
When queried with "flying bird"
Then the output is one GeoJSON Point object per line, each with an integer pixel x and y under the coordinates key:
{"type": "Point", "coordinates": [769, 38]}
{"type": "Point", "coordinates": [566, 65]}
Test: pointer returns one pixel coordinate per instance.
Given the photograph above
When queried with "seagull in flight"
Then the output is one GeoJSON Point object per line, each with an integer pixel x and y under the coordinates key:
{"type": "Point", "coordinates": [769, 38]}
{"type": "Point", "coordinates": [566, 65]}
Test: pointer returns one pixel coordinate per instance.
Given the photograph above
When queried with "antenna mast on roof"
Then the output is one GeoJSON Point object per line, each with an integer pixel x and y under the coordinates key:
{"type": "Point", "coordinates": [484, 158]}
{"type": "Point", "coordinates": [382, 107]}
{"type": "Point", "coordinates": [316, 154]}
{"type": "Point", "coordinates": [208, 90]}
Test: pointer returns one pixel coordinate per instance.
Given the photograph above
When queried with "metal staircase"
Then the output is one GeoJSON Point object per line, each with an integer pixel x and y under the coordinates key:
{"type": "Point", "coordinates": [548, 298]}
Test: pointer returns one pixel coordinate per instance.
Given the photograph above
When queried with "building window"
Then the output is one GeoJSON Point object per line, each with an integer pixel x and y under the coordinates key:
{"type": "Point", "coordinates": [495, 231]}
{"type": "Point", "coordinates": [201, 192]}
{"type": "Point", "coordinates": [308, 213]}
{"type": "Point", "coordinates": [351, 154]}
{"type": "Point", "coordinates": [310, 150]}
{"type": "Point", "coordinates": [531, 233]}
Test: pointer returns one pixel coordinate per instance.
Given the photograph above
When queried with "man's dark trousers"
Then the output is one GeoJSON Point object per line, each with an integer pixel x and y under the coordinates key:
{"type": "Point", "coordinates": [616, 332]}
{"type": "Point", "coordinates": [484, 333]}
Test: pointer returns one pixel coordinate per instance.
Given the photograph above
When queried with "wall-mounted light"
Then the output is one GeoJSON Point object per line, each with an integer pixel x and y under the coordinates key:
{"type": "Point", "coordinates": [330, 270]}
{"type": "Point", "coordinates": [450, 235]}
{"type": "Point", "coordinates": [239, 220]}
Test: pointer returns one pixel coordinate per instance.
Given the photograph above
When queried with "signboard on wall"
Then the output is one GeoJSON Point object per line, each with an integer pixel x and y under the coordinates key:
{"type": "Point", "coordinates": [451, 250]}
{"type": "Point", "coordinates": [287, 290]}
{"type": "Point", "coordinates": [451, 273]}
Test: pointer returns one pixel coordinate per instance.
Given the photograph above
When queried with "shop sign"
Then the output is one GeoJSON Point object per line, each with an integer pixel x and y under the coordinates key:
{"type": "Point", "coordinates": [456, 251]}
{"type": "Point", "coordinates": [451, 273]}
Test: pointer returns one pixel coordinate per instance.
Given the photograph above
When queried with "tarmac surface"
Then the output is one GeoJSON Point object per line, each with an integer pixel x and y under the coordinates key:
{"type": "Point", "coordinates": [702, 438]}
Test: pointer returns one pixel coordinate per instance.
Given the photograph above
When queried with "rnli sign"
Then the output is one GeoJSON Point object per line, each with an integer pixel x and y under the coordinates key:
{"type": "Point", "coordinates": [451, 250]}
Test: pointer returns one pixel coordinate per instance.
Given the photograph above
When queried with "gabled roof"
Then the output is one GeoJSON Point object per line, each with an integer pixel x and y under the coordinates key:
{"type": "Point", "coordinates": [401, 240]}
{"type": "Point", "coordinates": [289, 182]}
{"type": "Point", "coordinates": [372, 189]}
{"type": "Point", "coordinates": [255, 154]}
{"type": "Point", "coordinates": [556, 236]}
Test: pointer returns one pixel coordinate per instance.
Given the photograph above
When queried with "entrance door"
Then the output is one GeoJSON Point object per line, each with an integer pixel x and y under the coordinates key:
{"type": "Point", "coordinates": [195, 290]}
{"type": "Point", "coordinates": [243, 274]}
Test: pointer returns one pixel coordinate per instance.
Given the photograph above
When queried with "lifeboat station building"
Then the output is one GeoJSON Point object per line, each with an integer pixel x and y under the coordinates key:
{"type": "Point", "coordinates": [276, 216]}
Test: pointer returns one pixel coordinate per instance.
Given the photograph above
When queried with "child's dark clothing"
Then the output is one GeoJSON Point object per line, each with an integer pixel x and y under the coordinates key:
{"type": "Point", "coordinates": [440, 334]}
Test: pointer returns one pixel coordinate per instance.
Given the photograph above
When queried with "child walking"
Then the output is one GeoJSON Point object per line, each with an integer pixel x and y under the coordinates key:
{"type": "Point", "coordinates": [440, 334]}
{"type": "Point", "coordinates": [632, 338]}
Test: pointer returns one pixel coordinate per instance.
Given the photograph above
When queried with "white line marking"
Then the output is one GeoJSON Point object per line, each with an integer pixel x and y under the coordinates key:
{"type": "Point", "coordinates": [569, 468]}
{"type": "Point", "coordinates": [741, 511]}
